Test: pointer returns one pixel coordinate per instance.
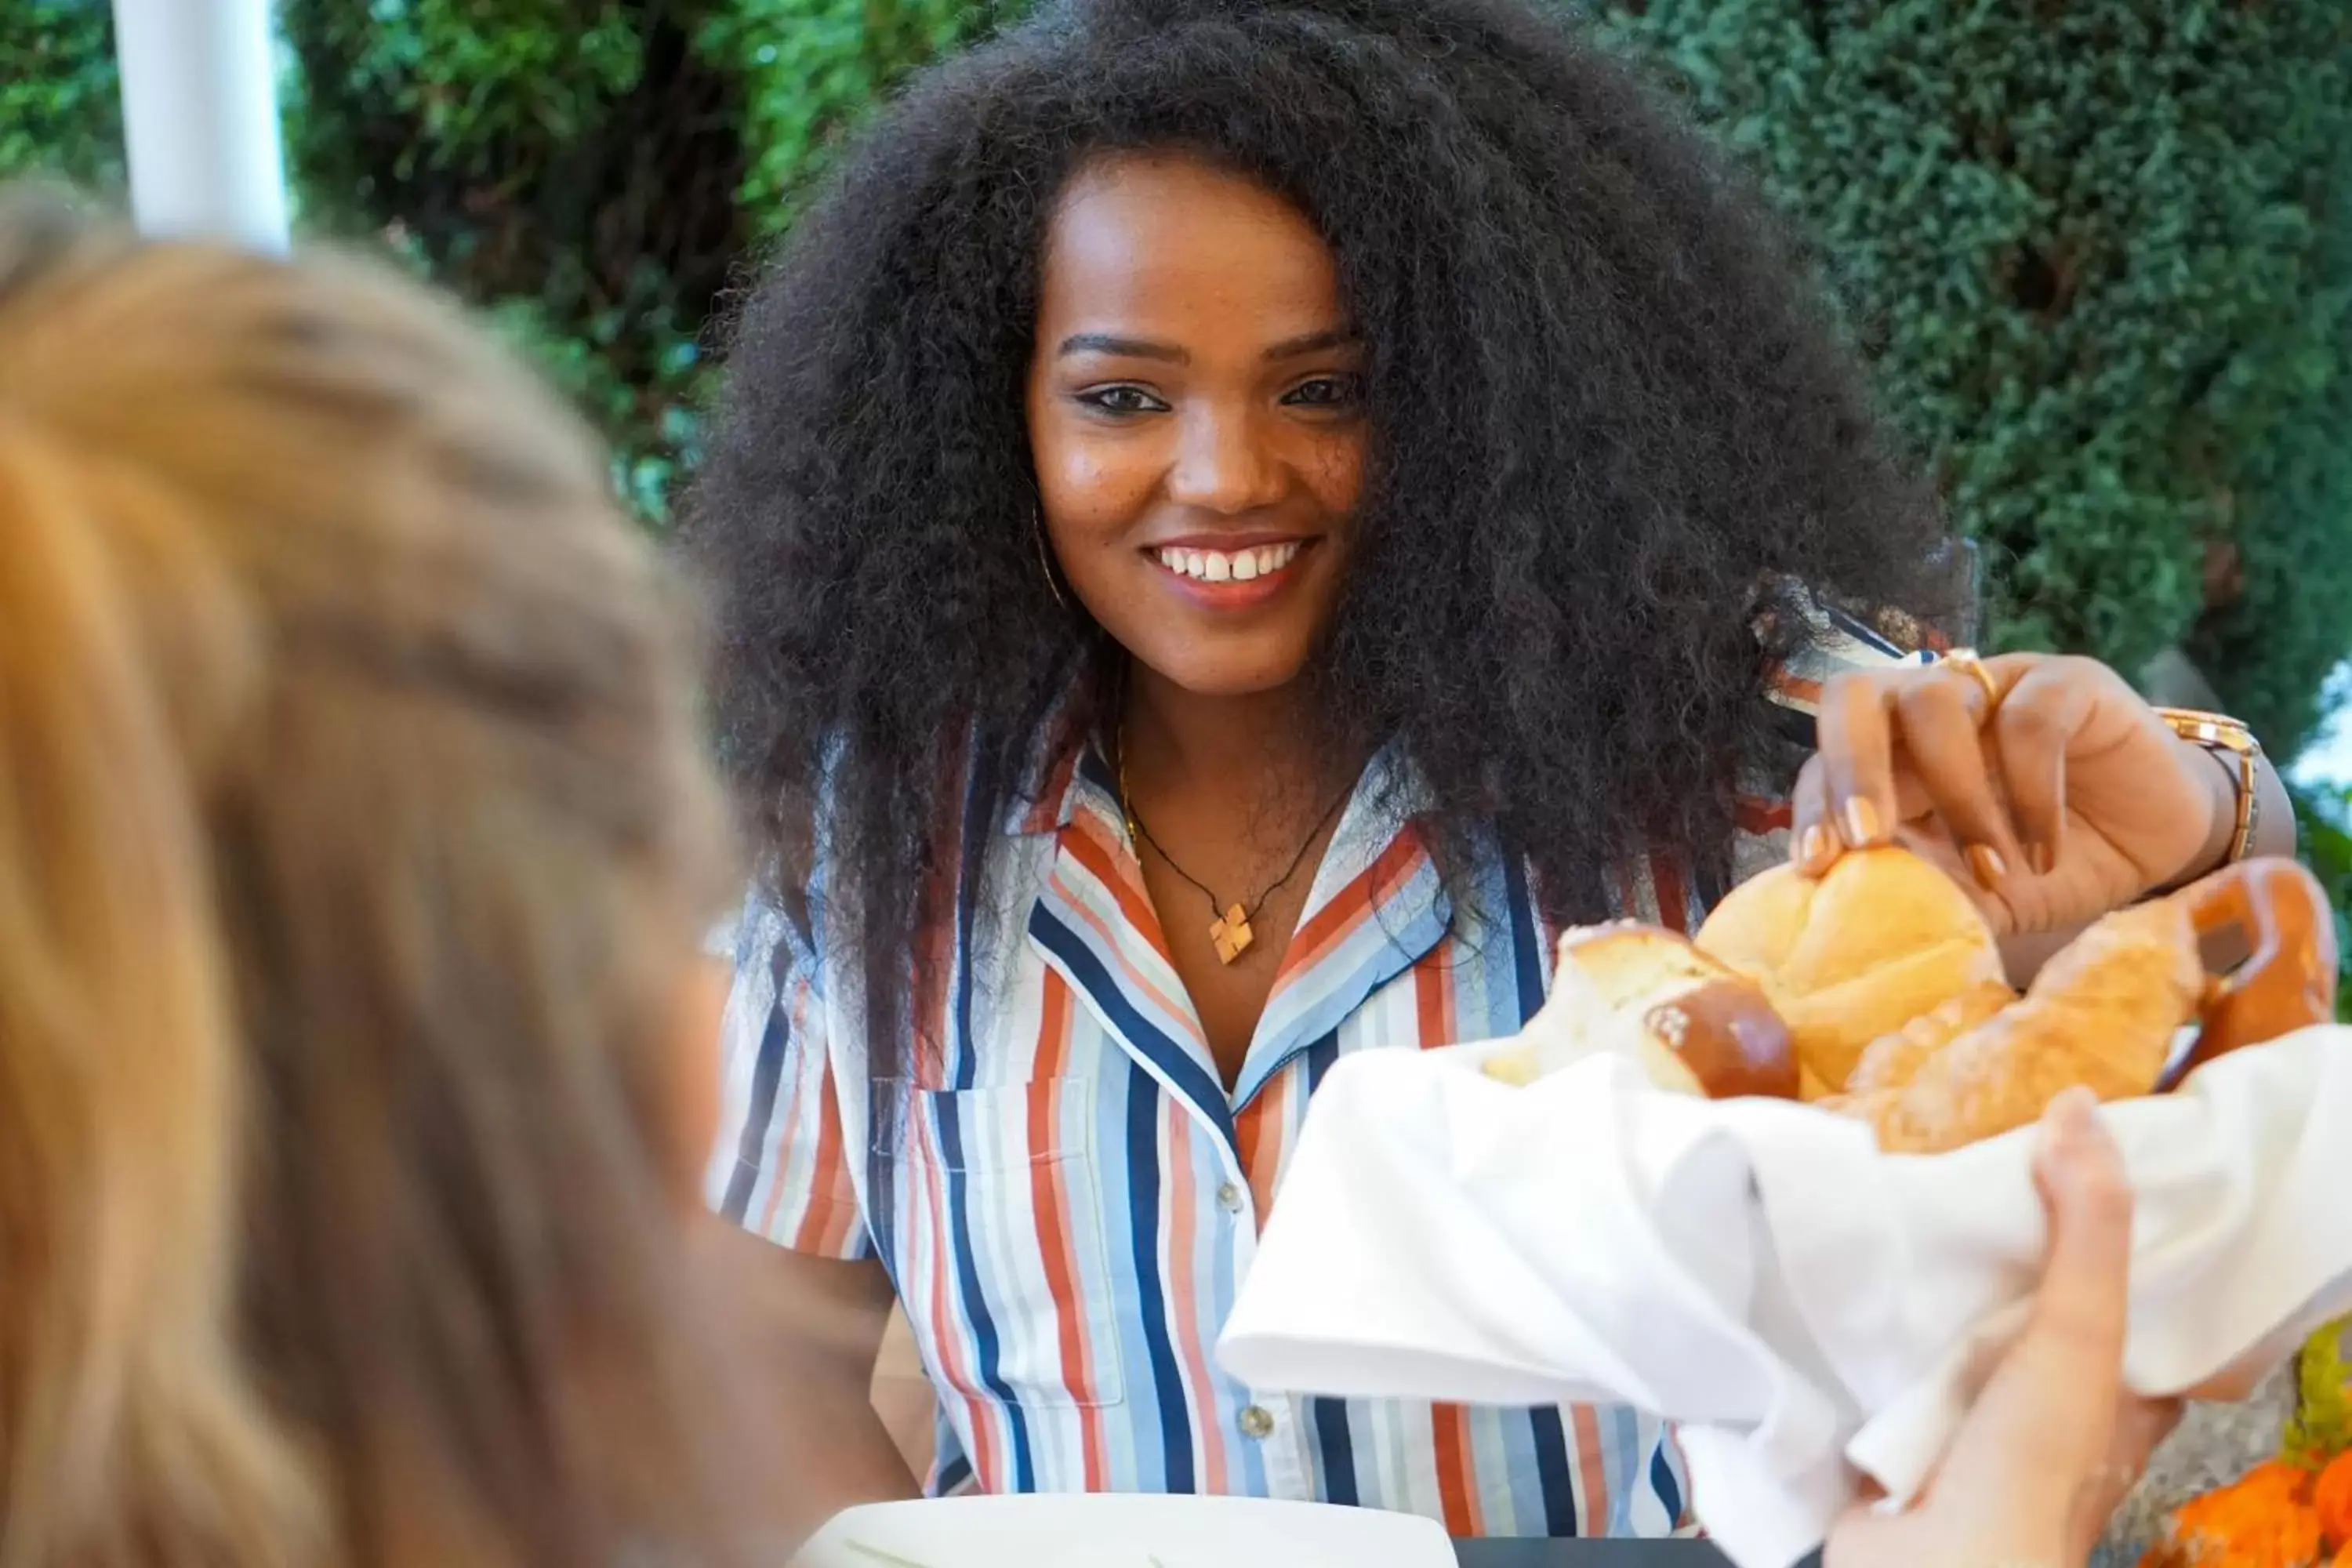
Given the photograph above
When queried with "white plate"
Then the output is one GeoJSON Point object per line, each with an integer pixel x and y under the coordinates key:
{"type": "Point", "coordinates": [1118, 1531]}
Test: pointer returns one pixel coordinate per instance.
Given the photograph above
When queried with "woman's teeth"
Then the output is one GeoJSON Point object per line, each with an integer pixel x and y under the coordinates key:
{"type": "Point", "coordinates": [1235, 566]}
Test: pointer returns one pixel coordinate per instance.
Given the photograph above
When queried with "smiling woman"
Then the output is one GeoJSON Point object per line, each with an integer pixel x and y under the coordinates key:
{"type": "Point", "coordinates": [1234, 520]}
{"type": "Point", "coordinates": [1196, 418]}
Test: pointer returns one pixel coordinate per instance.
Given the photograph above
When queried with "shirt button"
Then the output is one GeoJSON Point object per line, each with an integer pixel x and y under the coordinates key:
{"type": "Point", "coordinates": [1229, 1197]}
{"type": "Point", "coordinates": [1258, 1422]}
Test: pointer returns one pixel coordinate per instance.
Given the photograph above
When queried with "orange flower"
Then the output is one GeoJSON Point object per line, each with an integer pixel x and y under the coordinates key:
{"type": "Point", "coordinates": [2331, 1499]}
{"type": "Point", "coordinates": [2264, 1520]}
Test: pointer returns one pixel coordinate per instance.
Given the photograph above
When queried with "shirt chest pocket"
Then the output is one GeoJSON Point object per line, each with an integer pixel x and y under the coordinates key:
{"type": "Point", "coordinates": [1014, 1300]}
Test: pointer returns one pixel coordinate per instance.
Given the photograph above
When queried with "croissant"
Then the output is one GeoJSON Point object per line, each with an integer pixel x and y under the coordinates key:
{"type": "Point", "coordinates": [1893, 1060]}
{"type": "Point", "coordinates": [2103, 1014]}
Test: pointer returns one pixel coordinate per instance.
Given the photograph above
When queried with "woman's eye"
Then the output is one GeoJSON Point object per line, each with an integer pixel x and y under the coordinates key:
{"type": "Point", "coordinates": [1325, 391]}
{"type": "Point", "coordinates": [1122, 400]}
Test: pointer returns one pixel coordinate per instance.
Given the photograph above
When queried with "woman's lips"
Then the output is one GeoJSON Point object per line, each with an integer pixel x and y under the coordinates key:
{"type": "Point", "coordinates": [1234, 578]}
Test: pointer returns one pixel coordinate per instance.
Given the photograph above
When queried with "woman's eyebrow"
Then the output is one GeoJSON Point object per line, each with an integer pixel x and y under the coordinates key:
{"type": "Point", "coordinates": [1314, 343]}
{"type": "Point", "coordinates": [1140, 348]}
{"type": "Point", "coordinates": [1118, 347]}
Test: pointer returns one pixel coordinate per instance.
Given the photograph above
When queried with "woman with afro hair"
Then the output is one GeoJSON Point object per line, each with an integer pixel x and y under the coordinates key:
{"type": "Point", "coordinates": [1234, 520]}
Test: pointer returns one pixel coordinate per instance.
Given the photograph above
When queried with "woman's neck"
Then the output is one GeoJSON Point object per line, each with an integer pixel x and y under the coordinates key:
{"type": "Point", "coordinates": [1262, 751]}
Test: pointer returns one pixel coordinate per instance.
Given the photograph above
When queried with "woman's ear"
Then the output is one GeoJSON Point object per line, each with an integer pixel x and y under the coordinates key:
{"type": "Point", "coordinates": [691, 1079]}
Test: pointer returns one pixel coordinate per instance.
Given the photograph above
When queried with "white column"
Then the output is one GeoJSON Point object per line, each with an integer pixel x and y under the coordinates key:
{"type": "Point", "coordinates": [200, 118]}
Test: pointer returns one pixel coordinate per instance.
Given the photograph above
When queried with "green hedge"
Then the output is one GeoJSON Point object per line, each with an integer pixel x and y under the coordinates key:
{"type": "Point", "coordinates": [592, 171]}
{"type": "Point", "coordinates": [2101, 256]}
{"type": "Point", "coordinates": [594, 174]}
{"type": "Point", "coordinates": [2100, 253]}
{"type": "Point", "coordinates": [60, 101]}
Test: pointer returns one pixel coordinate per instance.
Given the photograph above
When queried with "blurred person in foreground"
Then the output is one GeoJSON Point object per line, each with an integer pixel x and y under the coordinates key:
{"type": "Point", "coordinates": [354, 845]}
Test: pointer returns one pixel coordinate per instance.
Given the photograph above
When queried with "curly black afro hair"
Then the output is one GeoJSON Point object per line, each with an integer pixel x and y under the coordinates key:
{"type": "Point", "coordinates": [1604, 402]}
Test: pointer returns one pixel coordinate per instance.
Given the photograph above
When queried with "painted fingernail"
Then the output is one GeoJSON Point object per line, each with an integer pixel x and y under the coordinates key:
{"type": "Point", "coordinates": [1987, 865]}
{"type": "Point", "coordinates": [2039, 859]}
{"type": "Point", "coordinates": [1816, 848]}
{"type": "Point", "coordinates": [1861, 822]}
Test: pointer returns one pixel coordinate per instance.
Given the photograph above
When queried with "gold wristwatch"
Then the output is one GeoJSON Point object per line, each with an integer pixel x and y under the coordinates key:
{"type": "Point", "coordinates": [2238, 750]}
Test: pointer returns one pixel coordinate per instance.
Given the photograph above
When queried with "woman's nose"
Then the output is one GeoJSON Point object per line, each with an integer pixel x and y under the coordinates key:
{"type": "Point", "coordinates": [1224, 464]}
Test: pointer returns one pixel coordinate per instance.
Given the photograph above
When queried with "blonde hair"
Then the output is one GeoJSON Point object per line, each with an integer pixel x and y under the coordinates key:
{"type": "Point", "coordinates": [354, 840]}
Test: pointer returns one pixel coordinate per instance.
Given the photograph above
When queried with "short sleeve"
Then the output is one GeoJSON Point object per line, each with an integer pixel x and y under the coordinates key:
{"type": "Point", "coordinates": [781, 1169]}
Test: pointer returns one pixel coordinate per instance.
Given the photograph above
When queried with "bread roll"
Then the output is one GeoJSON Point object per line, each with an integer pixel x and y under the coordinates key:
{"type": "Point", "coordinates": [1883, 939]}
{"type": "Point", "coordinates": [1695, 1026]}
{"type": "Point", "coordinates": [2101, 1015]}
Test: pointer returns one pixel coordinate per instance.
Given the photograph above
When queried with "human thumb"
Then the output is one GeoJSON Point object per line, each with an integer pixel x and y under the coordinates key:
{"type": "Point", "coordinates": [2072, 1347]}
{"type": "Point", "coordinates": [2084, 1299]}
{"type": "Point", "coordinates": [2048, 1412]}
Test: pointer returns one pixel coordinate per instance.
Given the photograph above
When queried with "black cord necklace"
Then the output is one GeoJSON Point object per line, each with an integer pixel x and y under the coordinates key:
{"type": "Point", "coordinates": [1229, 931]}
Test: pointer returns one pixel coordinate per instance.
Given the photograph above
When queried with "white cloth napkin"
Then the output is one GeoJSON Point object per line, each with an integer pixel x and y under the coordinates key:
{"type": "Point", "coordinates": [1808, 1309]}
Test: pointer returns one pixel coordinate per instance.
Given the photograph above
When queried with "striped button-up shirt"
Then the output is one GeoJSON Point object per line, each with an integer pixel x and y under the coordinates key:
{"type": "Point", "coordinates": [1068, 1198]}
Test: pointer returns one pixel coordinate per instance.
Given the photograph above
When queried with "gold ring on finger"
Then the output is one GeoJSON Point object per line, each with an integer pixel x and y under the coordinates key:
{"type": "Point", "coordinates": [1965, 661]}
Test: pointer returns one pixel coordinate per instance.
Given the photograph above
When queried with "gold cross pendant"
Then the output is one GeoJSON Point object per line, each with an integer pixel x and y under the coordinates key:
{"type": "Point", "coordinates": [1232, 935]}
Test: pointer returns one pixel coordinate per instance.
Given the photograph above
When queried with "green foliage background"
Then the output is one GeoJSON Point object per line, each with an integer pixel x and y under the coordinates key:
{"type": "Point", "coordinates": [2099, 252]}
{"type": "Point", "coordinates": [60, 105]}
{"type": "Point", "coordinates": [592, 173]}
